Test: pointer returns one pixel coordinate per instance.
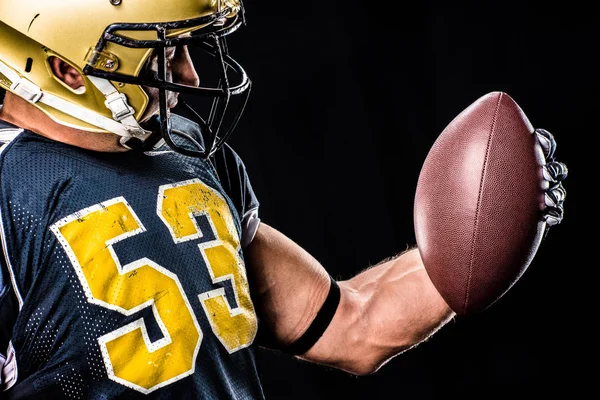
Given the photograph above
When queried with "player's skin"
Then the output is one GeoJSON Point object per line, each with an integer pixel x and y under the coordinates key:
{"type": "Point", "coordinates": [383, 311]}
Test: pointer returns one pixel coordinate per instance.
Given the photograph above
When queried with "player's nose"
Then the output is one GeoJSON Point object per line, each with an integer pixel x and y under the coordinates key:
{"type": "Point", "coordinates": [183, 69]}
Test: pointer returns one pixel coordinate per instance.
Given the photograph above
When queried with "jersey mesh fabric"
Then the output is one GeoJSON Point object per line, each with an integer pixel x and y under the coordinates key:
{"type": "Point", "coordinates": [57, 330]}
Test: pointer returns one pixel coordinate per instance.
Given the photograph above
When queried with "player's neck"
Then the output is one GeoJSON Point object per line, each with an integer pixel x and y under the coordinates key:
{"type": "Point", "coordinates": [24, 115]}
{"type": "Point", "coordinates": [13, 110]}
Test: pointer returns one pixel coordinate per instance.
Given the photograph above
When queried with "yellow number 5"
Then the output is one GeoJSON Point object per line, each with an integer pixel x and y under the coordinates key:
{"type": "Point", "coordinates": [130, 358]}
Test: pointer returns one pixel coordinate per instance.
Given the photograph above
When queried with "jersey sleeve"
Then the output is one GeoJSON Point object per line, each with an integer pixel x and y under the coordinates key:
{"type": "Point", "coordinates": [236, 183]}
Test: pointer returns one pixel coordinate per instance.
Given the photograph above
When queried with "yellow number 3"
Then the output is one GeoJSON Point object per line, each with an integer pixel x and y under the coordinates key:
{"type": "Point", "coordinates": [130, 357]}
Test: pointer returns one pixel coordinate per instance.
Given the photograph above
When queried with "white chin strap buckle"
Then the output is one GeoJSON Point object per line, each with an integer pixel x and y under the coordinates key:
{"type": "Point", "coordinates": [117, 103]}
{"type": "Point", "coordinates": [27, 90]}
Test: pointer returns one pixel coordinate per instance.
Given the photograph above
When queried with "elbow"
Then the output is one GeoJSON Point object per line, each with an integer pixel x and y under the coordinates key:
{"type": "Point", "coordinates": [358, 340]}
{"type": "Point", "coordinates": [344, 345]}
{"type": "Point", "coordinates": [363, 353]}
{"type": "Point", "coordinates": [365, 368]}
{"type": "Point", "coordinates": [372, 363]}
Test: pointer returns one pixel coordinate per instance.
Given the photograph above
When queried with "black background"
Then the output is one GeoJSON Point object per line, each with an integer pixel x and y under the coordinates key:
{"type": "Point", "coordinates": [348, 97]}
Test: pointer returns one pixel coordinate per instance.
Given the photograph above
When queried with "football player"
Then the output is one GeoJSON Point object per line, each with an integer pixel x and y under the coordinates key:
{"type": "Point", "coordinates": [134, 261]}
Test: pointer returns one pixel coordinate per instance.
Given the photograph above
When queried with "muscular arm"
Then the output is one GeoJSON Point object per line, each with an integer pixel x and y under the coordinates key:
{"type": "Point", "coordinates": [383, 311]}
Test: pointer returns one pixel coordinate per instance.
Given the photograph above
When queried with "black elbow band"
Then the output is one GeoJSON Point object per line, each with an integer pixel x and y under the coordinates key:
{"type": "Point", "coordinates": [319, 324]}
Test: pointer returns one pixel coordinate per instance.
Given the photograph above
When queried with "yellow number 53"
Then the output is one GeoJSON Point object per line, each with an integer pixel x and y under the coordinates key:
{"type": "Point", "coordinates": [130, 357]}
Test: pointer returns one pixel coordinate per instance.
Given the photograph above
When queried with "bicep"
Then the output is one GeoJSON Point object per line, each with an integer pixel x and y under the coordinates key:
{"type": "Point", "coordinates": [289, 285]}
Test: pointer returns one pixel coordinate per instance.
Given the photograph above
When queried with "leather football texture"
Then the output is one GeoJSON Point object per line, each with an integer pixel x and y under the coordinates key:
{"type": "Point", "coordinates": [478, 203]}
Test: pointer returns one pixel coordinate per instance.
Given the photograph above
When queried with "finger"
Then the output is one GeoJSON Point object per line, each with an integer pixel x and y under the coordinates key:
{"type": "Point", "coordinates": [555, 196]}
{"type": "Point", "coordinates": [553, 216]}
{"type": "Point", "coordinates": [555, 171]}
{"type": "Point", "coordinates": [547, 142]}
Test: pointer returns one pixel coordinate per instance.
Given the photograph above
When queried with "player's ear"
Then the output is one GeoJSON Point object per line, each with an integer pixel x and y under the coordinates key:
{"type": "Point", "coordinates": [66, 73]}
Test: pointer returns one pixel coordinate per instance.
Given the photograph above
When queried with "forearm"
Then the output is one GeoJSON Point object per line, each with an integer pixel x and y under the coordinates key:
{"type": "Point", "coordinates": [383, 311]}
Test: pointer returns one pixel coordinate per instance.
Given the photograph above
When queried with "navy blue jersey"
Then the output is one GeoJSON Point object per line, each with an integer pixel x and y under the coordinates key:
{"type": "Point", "coordinates": [123, 273]}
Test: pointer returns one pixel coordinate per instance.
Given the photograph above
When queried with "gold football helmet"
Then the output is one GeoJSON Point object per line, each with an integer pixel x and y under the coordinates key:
{"type": "Point", "coordinates": [109, 42]}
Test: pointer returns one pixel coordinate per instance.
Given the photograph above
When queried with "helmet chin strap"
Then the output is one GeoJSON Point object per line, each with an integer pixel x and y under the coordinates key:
{"type": "Point", "coordinates": [123, 124]}
{"type": "Point", "coordinates": [123, 113]}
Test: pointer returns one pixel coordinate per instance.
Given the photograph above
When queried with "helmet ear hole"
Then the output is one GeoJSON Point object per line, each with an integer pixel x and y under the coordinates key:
{"type": "Point", "coordinates": [66, 74]}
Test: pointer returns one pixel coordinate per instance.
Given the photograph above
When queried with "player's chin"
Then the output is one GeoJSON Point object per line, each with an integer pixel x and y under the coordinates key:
{"type": "Point", "coordinates": [172, 100]}
{"type": "Point", "coordinates": [154, 112]}
{"type": "Point", "coordinates": [172, 103]}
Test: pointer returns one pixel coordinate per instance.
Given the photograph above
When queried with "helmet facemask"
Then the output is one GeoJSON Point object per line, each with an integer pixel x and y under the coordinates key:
{"type": "Point", "coordinates": [222, 96]}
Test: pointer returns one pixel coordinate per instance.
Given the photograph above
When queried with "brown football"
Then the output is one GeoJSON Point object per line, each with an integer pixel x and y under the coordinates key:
{"type": "Point", "coordinates": [478, 203]}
